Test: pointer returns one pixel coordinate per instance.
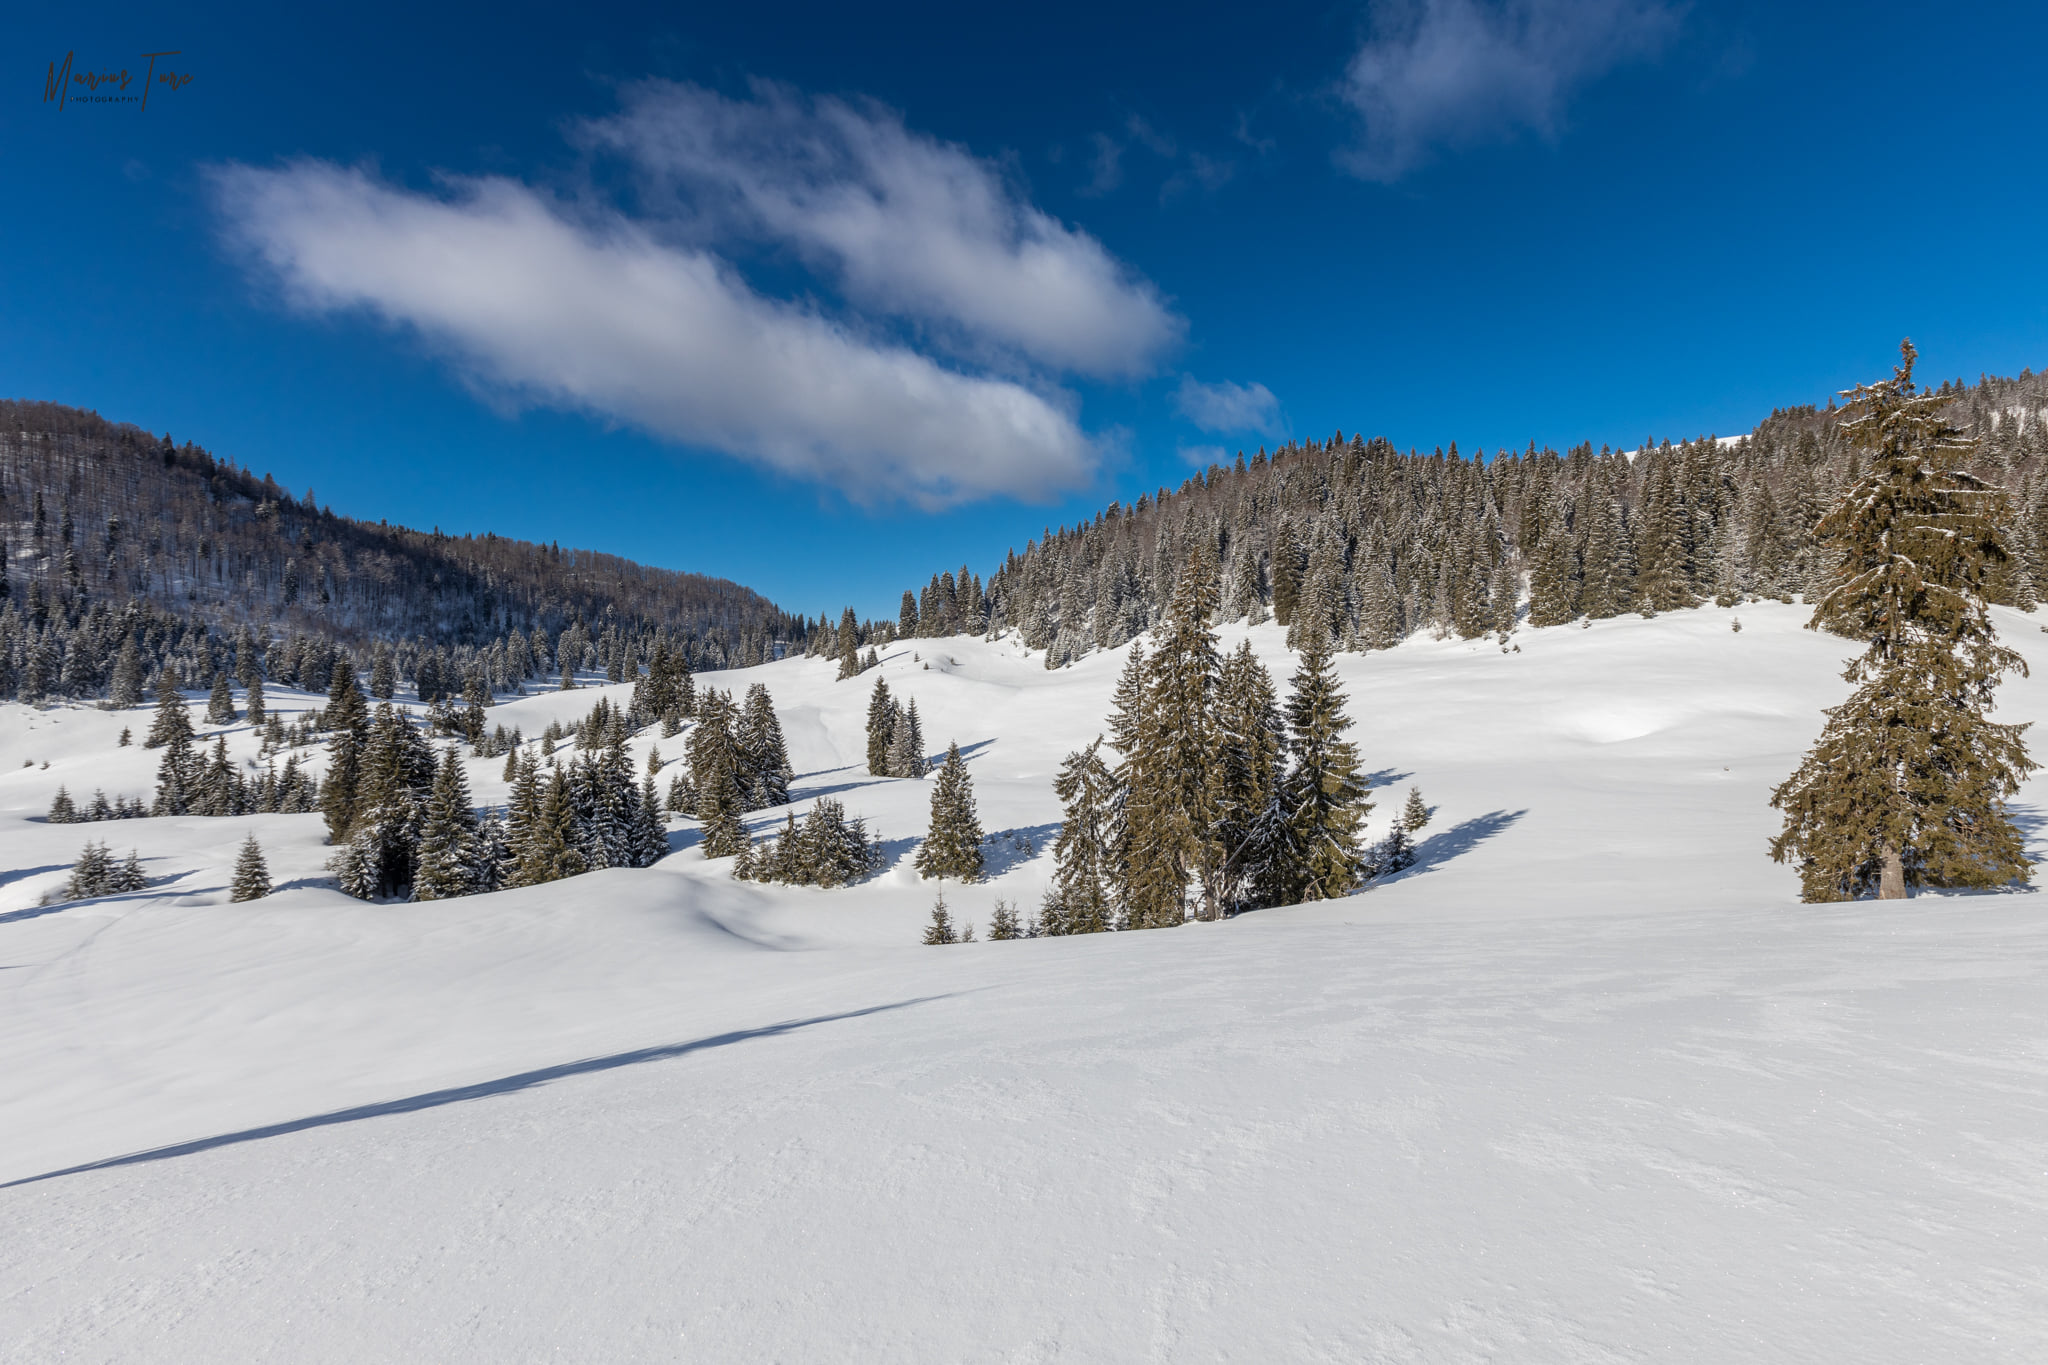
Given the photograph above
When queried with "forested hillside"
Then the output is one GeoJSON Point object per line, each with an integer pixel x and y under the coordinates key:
{"type": "Point", "coordinates": [108, 532]}
{"type": "Point", "coordinates": [1355, 538]}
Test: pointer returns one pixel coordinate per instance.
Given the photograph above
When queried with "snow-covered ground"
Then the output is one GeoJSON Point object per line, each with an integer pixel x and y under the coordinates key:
{"type": "Point", "coordinates": [1587, 1083]}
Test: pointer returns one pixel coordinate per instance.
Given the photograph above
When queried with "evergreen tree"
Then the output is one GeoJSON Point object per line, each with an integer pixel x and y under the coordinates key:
{"type": "Point", "coordinates": [764, 754]}
{"type": "Point", "coordinates": [348, 721]}
{"type": "Point", "coordinates": [906, 744]}
{"type": "Point", "coordinates": [252, 874]}
{"type": "Point", "coordinates": [1324, 799]}
{"type": "Point", "coordinates": [127, 684]}
{"type": "Point", "coordinates": [1004, 926]}
{"type": "Point", "coordinates": [448, 853]}
{"type": "Point", "coordinates": [1169, 774]}
{"type": "Point", "coordinates": [172, 720]}
{"type": "Point", "coordinates": [383, 673]}
{"type": "Point", "coordinates": [952, 847]}
{"type": "Point", "coordinates": [940, 930]}
{"type": "Point", "coordinates": [1079, 899]}
{"type": "Point", "coordinates": [881, 726]}
{"type": "Point", "coordinates": [849, 646]}
{"type": "Point", "coordinates": [63, 811]}
{"type": "Point", "coordinates": [91, 874]}
{"type": "Point", "coordinates": [1908, 782]}
{"type": "Point", "coordinates": [1414, 813]}
{"type": "Point", "coordinates": [220, 704]}
{"type": "Point", "coordinates": [1250, 765]}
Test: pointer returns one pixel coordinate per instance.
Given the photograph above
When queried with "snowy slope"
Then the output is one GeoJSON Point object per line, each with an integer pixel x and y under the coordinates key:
{"type": "Point", "coordinates": [1585, 1084]}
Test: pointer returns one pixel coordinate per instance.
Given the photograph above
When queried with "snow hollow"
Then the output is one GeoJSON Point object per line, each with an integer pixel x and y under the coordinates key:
{"type": "Point", "coordinates": [1586, 1083]}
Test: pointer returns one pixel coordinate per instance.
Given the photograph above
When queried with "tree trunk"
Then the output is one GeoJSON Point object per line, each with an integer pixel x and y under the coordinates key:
{"type": "Point", "coordinates": [1891, 882]}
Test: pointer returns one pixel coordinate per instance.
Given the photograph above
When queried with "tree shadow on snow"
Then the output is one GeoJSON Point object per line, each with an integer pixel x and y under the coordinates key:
{"type": "Point", "coordinates": [506, 1085]}
{"type": "Point", "coordinates": [1462, 838]}
{"type": "Point", "coordinates": [1385, 777]}
{"type": "Point", "coordinates": [1007, 848]}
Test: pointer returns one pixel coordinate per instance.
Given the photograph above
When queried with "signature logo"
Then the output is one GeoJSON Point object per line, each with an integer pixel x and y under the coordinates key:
{"type": "Point", "coordinates": [63, 84]}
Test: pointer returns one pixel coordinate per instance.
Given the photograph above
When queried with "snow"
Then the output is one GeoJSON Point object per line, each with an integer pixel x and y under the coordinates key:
{"type": "Point", "coordinates": [1587, 1083]}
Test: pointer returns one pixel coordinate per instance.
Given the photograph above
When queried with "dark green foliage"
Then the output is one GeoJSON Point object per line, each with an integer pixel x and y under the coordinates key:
{"type": "Point", "coordinates": [172, 720]}
{"type": "Point", "coordinates": [97, 874]}
{"type": "Point", "coordinates": [906, 743]}
{"type": "Point", "coordinates": [952, 847]}
{"type": "Point", "coordinates": [826, 850]}
{"type": "Point", "coordinates": [1908, 782]}
{"type": "Point", "coordinates": [62, 810]}
{"type": "Point", "coordinates": [1250, 765]}
{"type": "Point", "coordinates": [940, 930]}
{"type": "Point", "coordinates": [220, 704]}
{"type": "Point", "coordinates": [1003, 926]}
{"type": "Point", "coordinates": [881, 726]}
{"type": "Point", "coordinates": [1323, 799]}
{"type": "Point", "coordinates": [252, 874]}
{"type": "Point", "coordinates": [448, 860]}
{"type": "Point", "coordinates": [1414, 812]}
{"type": "Point", "coordinates": [1079, 901]}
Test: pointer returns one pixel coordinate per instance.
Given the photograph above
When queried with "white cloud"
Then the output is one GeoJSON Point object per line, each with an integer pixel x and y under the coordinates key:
{"type": "Point", "coordinates": [1228, 406]}
{"type": "Point", "coordinates": [909, 225]}
{"type": "Point", "coordinates": [1454, 73]}
{"type": "Point", "coordinates": [596, 314]}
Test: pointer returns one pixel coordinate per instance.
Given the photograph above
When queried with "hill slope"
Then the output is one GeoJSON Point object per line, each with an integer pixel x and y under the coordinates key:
{"type": "Point", "coordinates": [1587, 1083]}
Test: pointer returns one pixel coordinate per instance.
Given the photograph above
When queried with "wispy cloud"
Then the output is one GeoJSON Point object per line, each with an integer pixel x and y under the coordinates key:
{"type": "Point", "coordinates": [1456, 73]}
{"type": "Point", "coordinates": [1228, 407]}
{"type": "Point", "coordinates": [903, 223]}
{"type": "Point", "coordinates": [591, 311]}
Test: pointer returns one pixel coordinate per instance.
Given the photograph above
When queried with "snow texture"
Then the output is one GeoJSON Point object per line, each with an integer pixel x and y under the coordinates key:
{"type": "Point", "coordinates": [1584, 1084]}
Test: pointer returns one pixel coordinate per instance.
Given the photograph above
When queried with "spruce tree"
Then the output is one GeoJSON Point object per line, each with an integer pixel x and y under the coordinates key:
{"type": "Point", "coordinates": [126, 690]}
{"type": "Point", "coordinates": [220, 703]}
{"type": "Point", "coordinates": [1250, 741]}
{"type": "Point", "coordinates": [1415, 812]}
{"type": "Point", "coordinates": [63, 810]}
{"type": "Point", "coordinates": [906, 744]}
{"type": "Point", "coordinates": [952, 847]}
{"type": "Point", "coordinates": [940, 930]}
{"type": "Point", "coordinates": [448, 855]}
{"type": "Point", "coordinates": [764, 755]}
{"type": "Point", "coordinates": [347, 717]}
{"type": "Point", "coordinates": [252, 874]}
{"type": "Point", "coordinates": [1003, 926]}
{"type": "Point", "coordinates": [172, 720]}
{"type": "Point", "coordinates": [1908, 782]}
{"type": "Point", "coordinates": [1079, 900]}
{"type": "Point", "coordinates": [1323, 798]}
{"type": "Point", "coordinates": [881, 727]}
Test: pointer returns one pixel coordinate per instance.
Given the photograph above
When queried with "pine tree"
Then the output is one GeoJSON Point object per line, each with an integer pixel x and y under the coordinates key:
{"type": "Point", "coordinates": [1323, 799]}
{"type": "Point", "coordinates": [952, 847]}
{"type": "Point", "coordinates": [348, 721]}
{"type": "Point", "coordinates": [126, 690]}
{"type": "Point", "coordinates": [764, 755]}
{"type": "Point", "coordinates": [91, 874]}
{"type": "Point", "coordinates": [940, 930]}
{"type": "Point", "coordinates": [1079, 900]}
{"type": "Point", "coordinates": [906, 744]}
{"type": "Point", "coordinates": [220, 703]}
{"type": "Point", "coordinates": [881, 726]}
{"type": "Point", "coordinates": [63, 811]}
{"type": "Point", "coordinates": [1169, 773]}
{"type": "Point", "coordinates": [849, 646]}
{"type": "Point", "coordinates": [448, 854]}
{"type": "Point", "coordinates": [383, 673]}
{"type": "Point", "coordinates": [172, 720]}
{"type": "Point", "coordinates": [1249, 767]}
{"type": "Point", "coordinates": [1908, 782]}
{"type": "Point", "coordinates": [1003, 926]}
{"type": "Point", "coordinates": [1415, 813]}
{"type": "Point", "coordinates": [252, 874]}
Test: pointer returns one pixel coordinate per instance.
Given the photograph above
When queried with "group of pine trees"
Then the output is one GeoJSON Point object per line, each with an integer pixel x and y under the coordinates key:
{"type": "Point", "coordinates": [827, 849]}
{"type": "Point", "coordinates": [1220, 798]}
{"type": "Point", "coordinates": [192, 782]}
{"type": "Point", "coordinates": [738, 762]}
{"type": "Point", "coordinates": [1355, 541]}
{"type": "Point", "coordinates": [404, 823]}
{"type": "Point", "coordinates": [895, 735]}
{"type": "Point", "coordinates": [97, 874]}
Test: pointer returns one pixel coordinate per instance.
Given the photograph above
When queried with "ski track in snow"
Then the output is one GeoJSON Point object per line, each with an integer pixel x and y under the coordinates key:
{"type": "Point", "coordinates": [1585, 1084]}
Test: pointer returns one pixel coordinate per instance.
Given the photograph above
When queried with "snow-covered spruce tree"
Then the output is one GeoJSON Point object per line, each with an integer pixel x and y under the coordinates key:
{"type": "Point", "coordinates": [178, 773]}
{"type": "Point", "coordinates": [1169, 772]}
{"type": "Point", "coordinates": [940, 930]}
{"type": "Point", "coordinates": [348, 722]}
{"type": "Point", "coordinates": [126, 690]}
{"type": "Point", "coordinates": [398, 771]}
{"type": "Point", "coordinates": [1323, 798]}
{"type": "Point", "coordinates": [1003, 925]}
{"type": "Point", "coordinates": [448, 854]}
{"type": "Point", "coordinates": [1415, 811]}
{"type": "Point", "coordinates": [952, 848]}
{"type": "Point", "coordinates": [1250, 742]}
{"type": "Point", "coordinates": [383, 673]}
{"type": "Point", "coordinates": [906, 744]}
{"type": "Point", "coordinates": [849, 646]}
{"type": "Point", "coordinates": [63, 810]}
{"type": "Point", "coordinates": [881, 725]}
{"type": "Point", "coordinates": [765, 755]}
{"type": "Point", "coordinates": [90, 874]}
{"type": "Point", "coordinates": [252, 874]}
{"type": "Point", "coordinates": [1908, 782]}
{"type": "Point", "coordinates": [1079, 899]}
{"type": "Point", "coordinates": [172, 719]}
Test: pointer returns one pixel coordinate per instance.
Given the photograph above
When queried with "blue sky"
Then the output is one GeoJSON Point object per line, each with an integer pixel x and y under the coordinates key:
{"type": "Point", "coordinates": [824, 299]}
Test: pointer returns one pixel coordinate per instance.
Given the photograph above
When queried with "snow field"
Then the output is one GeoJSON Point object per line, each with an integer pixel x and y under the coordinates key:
{"type": "Point", "coordinates": [1586, 1083]}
